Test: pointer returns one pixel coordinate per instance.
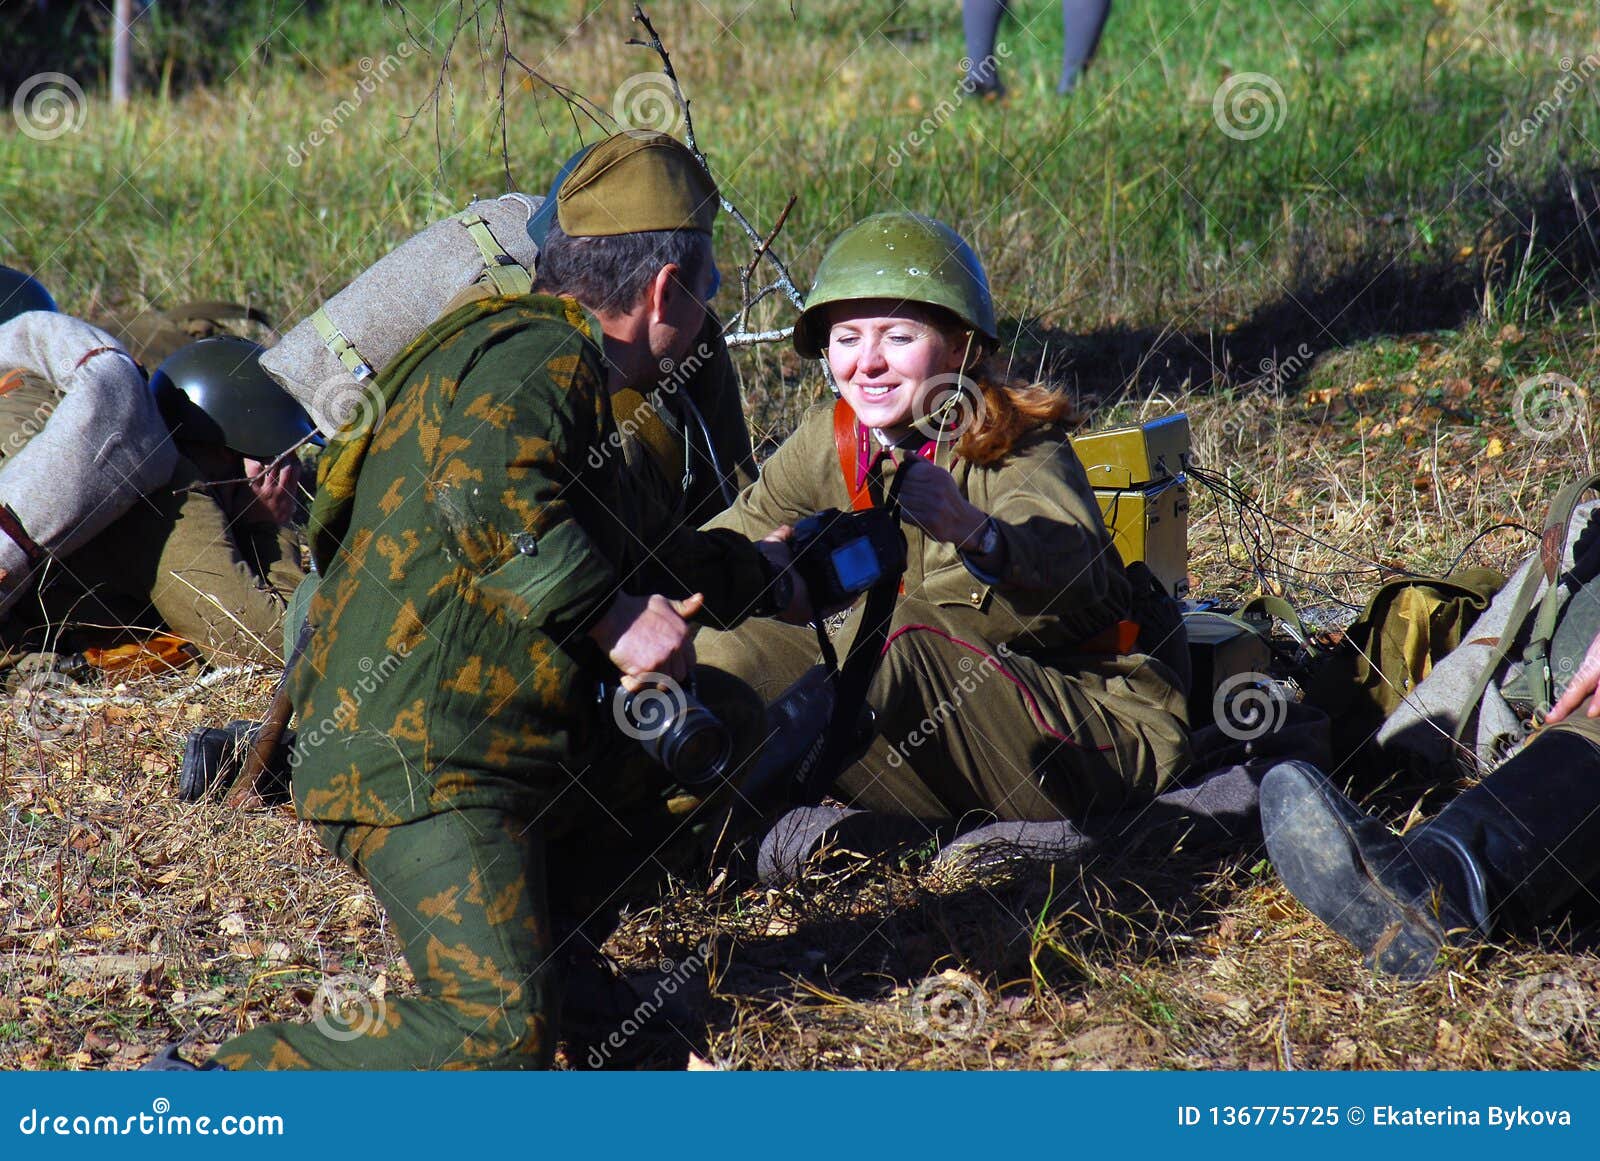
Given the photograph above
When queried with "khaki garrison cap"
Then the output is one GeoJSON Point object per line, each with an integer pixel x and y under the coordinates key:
{"type": "Point", "coordinates": [636, 181]}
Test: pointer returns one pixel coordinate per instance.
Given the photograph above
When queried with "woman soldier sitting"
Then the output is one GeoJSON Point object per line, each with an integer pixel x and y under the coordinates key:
{"type": "Point", "coordinates": [1011, 685]}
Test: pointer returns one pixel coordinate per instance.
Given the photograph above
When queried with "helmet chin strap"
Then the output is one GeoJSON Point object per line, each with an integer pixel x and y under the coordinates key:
{"type": "Point", "coordinates": [942, 415]}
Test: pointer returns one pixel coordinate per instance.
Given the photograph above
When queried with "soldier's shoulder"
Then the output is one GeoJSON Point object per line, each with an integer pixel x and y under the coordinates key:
{"type": "Point", "coordinates": [507, 339]}
{"type": "Point", "coordinates": [816, 417]}
{"type": "Point", "coordinates": [537, 317]}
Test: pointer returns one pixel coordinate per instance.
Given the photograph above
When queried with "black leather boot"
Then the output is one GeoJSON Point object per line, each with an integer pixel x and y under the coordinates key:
{"type": "Point", "coordinates": [1508, 852]}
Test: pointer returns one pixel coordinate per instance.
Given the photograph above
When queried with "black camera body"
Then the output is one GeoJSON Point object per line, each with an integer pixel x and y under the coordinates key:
{"type": "Point", "coordinates": [841, 555]}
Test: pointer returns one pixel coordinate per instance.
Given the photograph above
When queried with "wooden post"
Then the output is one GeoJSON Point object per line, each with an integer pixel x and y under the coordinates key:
{"type": "Point", "coordinates": [121, 51]}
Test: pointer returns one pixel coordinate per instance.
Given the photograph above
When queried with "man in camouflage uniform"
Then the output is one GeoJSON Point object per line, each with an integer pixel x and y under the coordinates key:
{"type": "Point", "coordinates": [482, 556]}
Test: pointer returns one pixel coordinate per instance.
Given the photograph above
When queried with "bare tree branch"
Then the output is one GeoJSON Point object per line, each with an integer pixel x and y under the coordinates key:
{"type": "Point", "coordinates": [761, 245]}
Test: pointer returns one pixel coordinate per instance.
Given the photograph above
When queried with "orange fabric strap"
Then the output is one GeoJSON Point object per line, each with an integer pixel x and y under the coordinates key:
{"type": "Point", "coordinates": [1121, 637]}
{"type": "Point", "coordinates": [847, 438]}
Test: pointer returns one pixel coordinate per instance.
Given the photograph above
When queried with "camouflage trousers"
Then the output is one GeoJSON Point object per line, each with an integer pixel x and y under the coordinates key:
{"type": "Point", "coordinates": [465, 892]}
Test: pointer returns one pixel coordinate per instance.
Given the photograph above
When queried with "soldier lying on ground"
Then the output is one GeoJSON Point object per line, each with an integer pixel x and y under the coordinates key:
{"type": "Point", "coordinates": [143, 508]}
{"type": "Point", "coordinates": [478, 548]}
{"type": "Point", "coordinates": [1516, 848]}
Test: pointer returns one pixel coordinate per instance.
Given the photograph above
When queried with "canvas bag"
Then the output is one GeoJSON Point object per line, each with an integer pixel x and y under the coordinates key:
{"type": "Point", "coordinates": [1519, 655]}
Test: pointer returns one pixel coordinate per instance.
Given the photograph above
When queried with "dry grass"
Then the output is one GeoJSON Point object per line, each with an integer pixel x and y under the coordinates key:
{"type": "Point", "coordinates": [128, 920]}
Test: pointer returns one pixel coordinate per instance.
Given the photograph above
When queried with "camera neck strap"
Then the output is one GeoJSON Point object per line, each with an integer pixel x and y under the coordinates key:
{"type": "Point", "coordinates": [823, 765]}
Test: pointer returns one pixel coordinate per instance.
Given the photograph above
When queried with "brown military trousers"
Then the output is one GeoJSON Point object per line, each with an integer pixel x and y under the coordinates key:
{"type": "Point", "coordinates": [970, 727]}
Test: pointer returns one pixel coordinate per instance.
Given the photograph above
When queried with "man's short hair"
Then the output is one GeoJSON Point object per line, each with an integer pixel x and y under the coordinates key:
{"type": "Point", "coordinates": [610, 274]}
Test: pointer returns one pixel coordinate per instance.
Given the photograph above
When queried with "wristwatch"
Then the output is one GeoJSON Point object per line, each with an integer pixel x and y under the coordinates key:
{"type": "Point", "coordinates": [988, 540]}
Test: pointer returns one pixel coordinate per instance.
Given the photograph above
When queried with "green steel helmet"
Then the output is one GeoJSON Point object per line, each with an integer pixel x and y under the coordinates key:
{"type": "Point", "coordinates": [20, 293]}
{"type": "Point", "coordinates": [214, 391]}
{"type": "Point", "coordinates": [901, 256]}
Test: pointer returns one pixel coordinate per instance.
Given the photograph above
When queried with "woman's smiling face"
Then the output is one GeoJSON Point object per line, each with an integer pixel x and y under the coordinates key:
{"type": "Point", "coordinates": [883, 355]}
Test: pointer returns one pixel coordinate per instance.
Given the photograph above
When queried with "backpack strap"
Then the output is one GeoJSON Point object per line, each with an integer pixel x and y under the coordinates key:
{"type": "Point", "coordinates": [511, 279]}
{"type": "Point", "coordinates": [11, 526]}
{"type": "Point", "coordinates": [847, 439]}
{"type": "Point", "coordinates": [343, 349]}
{"type": "Point", "coordinates": [1552, 545]}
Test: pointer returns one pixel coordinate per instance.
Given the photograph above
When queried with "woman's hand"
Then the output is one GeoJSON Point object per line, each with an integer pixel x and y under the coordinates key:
{"type": "Point", "coordinates": [1585, 682]}
{"type": "Point", "coordinates": [931, 499]}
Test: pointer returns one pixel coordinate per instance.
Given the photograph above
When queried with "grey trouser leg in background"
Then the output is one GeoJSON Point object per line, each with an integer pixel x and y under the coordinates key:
{"type": "Point", "coordinates": [1082, 22]}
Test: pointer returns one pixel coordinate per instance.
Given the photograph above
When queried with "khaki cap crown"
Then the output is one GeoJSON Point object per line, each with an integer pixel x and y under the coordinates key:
{"type": "Point", "coordinates": [636, 181]}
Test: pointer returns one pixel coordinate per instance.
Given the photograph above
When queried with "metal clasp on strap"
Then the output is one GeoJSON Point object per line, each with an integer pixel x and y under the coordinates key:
{"type": "Point", "coordinates": [343, 349]}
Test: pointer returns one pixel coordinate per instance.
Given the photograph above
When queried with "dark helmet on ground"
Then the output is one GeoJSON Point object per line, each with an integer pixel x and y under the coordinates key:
{"type": "Point", "coordinates": [539, 223]}
{"type": "Point", "coordinates": [901, 256]}
{"type": "Point", "coordinates": [20, 293]}
{"type": "Point", "coordinates": [214, 391]}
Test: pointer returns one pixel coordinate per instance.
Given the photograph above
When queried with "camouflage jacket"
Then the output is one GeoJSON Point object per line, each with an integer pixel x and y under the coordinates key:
{"type": "Point", "coordinates": [468, 539]}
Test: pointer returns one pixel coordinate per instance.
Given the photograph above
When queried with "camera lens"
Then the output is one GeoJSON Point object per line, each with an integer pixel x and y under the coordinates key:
{"type": "Point", "coordinates": [696, 748]}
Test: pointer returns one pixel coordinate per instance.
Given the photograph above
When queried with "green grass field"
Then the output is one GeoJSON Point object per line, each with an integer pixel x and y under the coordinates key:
{"type": "Point", "coordinates": [1343, 238]}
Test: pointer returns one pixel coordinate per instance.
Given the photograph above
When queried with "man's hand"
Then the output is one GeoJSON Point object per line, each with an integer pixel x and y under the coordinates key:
{"type": "Point", "coordinates": [648, 635]}
{"type": "Point", "coordinates": [931, 499]}
{"type": "Point", "coordinates": [274, 491]}
{"type": "Point", "coordinates": [1584, 683]}
{"type": "Point", "coordinates": [776, 548]}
